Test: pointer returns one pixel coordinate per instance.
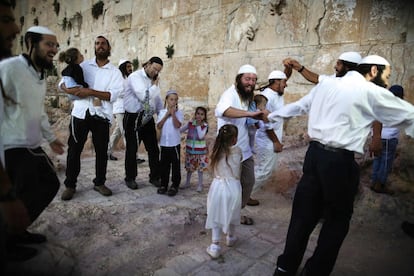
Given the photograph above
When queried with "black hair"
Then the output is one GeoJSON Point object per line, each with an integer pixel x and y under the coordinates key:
{"type": "Point", "coordinates": [156, 60]}
{"type": "Point", "coordinates": [107, 41]}
{"type": "Point", "coordinates": [123, 70]}
{"type": "Point", "coordinates": [364, 69]}
{"type": "Point", "coordinates": [69, 56]}
{"type": "Point", "coordinates": [350, 66]}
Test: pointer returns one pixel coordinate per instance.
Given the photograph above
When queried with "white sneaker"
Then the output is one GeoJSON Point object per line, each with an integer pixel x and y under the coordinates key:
{"type": "Point", "coordinates": [230, 241]}
{"type": "Point", "coordinates": [214, 250]}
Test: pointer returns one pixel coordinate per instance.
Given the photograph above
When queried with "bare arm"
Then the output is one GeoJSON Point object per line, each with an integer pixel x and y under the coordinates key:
{"type": "Point", "coordinates": [307, 74]}
{"type": "Point", "coordinates": [232, 112]}
{"type": "Point", "coordinates": [277, 146]}
{"type": "Point", "coordinates": [375, 147]}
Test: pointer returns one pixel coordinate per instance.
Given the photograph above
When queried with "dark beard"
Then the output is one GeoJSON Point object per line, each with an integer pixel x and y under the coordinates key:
{"type": "Point", "coordinates": [379, 81]}
{"type": "Point", "coordinates": [341, 73]}
{"type": "Point", "coordinates": [42, 63]}
{"type": "Point", "coordinates": [245, 96]}
{"type": "Point", "coordinates": [102, 56]}
{"type": "Point", "coordinates": [4, 52]}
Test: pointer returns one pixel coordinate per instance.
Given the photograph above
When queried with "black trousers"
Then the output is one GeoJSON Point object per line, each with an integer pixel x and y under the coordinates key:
{"type": "Point", "coordinates": [148, 136]}
{"type": "Point", "coordinates": [79, 130]}
{"type": "Point", "coordinates": [170, 161]}
{"type": "Point", "coordinates": [326, 190]}
{"type": "Point", "coordinates": [33, 177]}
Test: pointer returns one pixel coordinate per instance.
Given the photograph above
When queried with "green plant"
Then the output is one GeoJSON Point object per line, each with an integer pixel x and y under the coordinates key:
{"type": "Point", "coordinates": [169, 50]}
{"type": "Point", "coordinates": [97, 9]}
{"type": "Point", "coordinates": [56, 6]}
{"type": "Point", "coordinates": [135, 63]}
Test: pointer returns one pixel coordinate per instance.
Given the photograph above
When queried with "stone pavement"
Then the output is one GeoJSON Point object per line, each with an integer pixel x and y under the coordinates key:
{"type": "Point", "coordinates": [142, 233]}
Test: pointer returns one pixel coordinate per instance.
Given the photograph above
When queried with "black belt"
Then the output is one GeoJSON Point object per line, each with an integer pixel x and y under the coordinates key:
{"type": "Point", "coordinates": [328, 148]}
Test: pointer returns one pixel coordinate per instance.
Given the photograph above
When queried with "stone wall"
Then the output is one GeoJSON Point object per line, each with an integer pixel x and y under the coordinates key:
{"type": "Point", "coordinates": [213, 38]}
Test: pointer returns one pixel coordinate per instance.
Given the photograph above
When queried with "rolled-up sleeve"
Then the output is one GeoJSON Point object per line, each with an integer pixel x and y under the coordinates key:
{"type": "Point", "coordinates": [226, 101]}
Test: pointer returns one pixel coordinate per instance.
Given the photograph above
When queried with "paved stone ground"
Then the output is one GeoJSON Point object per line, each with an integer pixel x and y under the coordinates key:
{"type": "Point", "coordinates": [142, 233]}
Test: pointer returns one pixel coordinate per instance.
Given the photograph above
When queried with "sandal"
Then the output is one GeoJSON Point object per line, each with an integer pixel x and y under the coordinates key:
{"type": "Point", "coordinates": [162, 190]}
{"type": "Point", "coordinates": [246, 220]}
{"type": "Point", "coordinates": [172, 191]}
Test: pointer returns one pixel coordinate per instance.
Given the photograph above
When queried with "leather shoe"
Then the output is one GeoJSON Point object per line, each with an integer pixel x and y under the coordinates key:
{"type": "Point", "coordinates": [29, 238]}
{"type": "Point", "coordinates": [252, 202]}
{"type": "Point", "coordinates": [131, 184]}
{"type": "Point", "coordinates": [140, 161]}
{"type": "Point", "coordinates": [113, 158]}
{"type": "Point", "coordinates": [68, 194]}
{"type": "Point", "coordinates": [103, 190]}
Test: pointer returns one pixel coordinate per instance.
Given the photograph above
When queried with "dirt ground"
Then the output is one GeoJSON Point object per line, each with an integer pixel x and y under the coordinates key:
{"type": "Point", "coordinates": [140, 232]}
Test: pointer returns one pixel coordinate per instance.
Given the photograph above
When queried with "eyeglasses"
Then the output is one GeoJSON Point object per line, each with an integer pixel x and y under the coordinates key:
{"type": "Point", "coordinates": [51, 44]}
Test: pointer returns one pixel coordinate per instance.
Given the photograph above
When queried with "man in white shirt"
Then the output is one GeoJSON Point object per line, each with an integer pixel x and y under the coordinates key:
{"type": "Point", "coordinates": [269, 136]}
{"type": "Point", "coordinates": [347, 61]}
{"type": "Point", "coordinates": [142, 100]}
{"type": "Point", "coordinates": [341, 111]}
{"type": "Point", "coordinates": [13, 214]}
{"type": "Point", "coordinates": [92, 112]}
{"type": "Point", "coordinates": [26, 125]}
{"type": "Point", "coordinates": [232, 108]}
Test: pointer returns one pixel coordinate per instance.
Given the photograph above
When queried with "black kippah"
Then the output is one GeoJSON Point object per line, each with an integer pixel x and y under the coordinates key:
{"type": "Point", "coordinates": [156, 60]}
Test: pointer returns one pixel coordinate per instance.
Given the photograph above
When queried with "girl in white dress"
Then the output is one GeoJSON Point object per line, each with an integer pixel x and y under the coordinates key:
{"type": "Point", "coordinates": [224, 196]}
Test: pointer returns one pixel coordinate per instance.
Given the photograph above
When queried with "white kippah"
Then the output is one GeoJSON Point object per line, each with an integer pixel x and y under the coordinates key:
{"type": "Point", "coordinates": [374, 59]}
{"type": "Point", "coordinates": [171, 91]}
{"type": "Point", "coordinates": [40, 30]}
{"type": "Point", "coordinates": [122, 61]}
{"type": "Point", "coordinates": [247, 68]}
{"type": "Point", "coordinates": [353, 57]}
{"type": "Point", "coordinates": [277, 75]}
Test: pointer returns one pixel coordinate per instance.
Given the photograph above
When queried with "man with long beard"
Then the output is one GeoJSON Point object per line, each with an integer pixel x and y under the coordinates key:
{"type": "Point", "coordinates": [92, 112]}
{"type": "Point", "coordinates": [341, 111]}
{"type": "Point", "coordinates": [232, 108]}
{"type": "Point", "coordinates": [25, 125]}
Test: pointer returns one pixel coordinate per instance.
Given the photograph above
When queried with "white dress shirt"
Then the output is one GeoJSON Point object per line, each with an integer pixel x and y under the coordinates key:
{"type": "Point", "coordinates": [341, 111]}
{"type": "Point", "coordinates": [138, 83]}
{"type": "Point", "coordinates": [118, 106]}
{"type": "Point", "coordinates": [25, 123]}
{"type": "Point", "coordinates": [107, 78]}
{"type": "Point", "coordinates": [230, 98]}
{"type": "Point", "coordinates": [170, 135]}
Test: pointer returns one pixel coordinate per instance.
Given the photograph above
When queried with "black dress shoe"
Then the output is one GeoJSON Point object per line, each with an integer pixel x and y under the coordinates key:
{"type": "Point", "coordinates": [131, 184]}
{"type": "Point", "coordinates": [18, 253]}
{"type": "Point", "coordinates": [140, 161]}
{"type": "Point", "coordinates": [29, 238]}
{"type": "Point", "coordinates": [111, 157]}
